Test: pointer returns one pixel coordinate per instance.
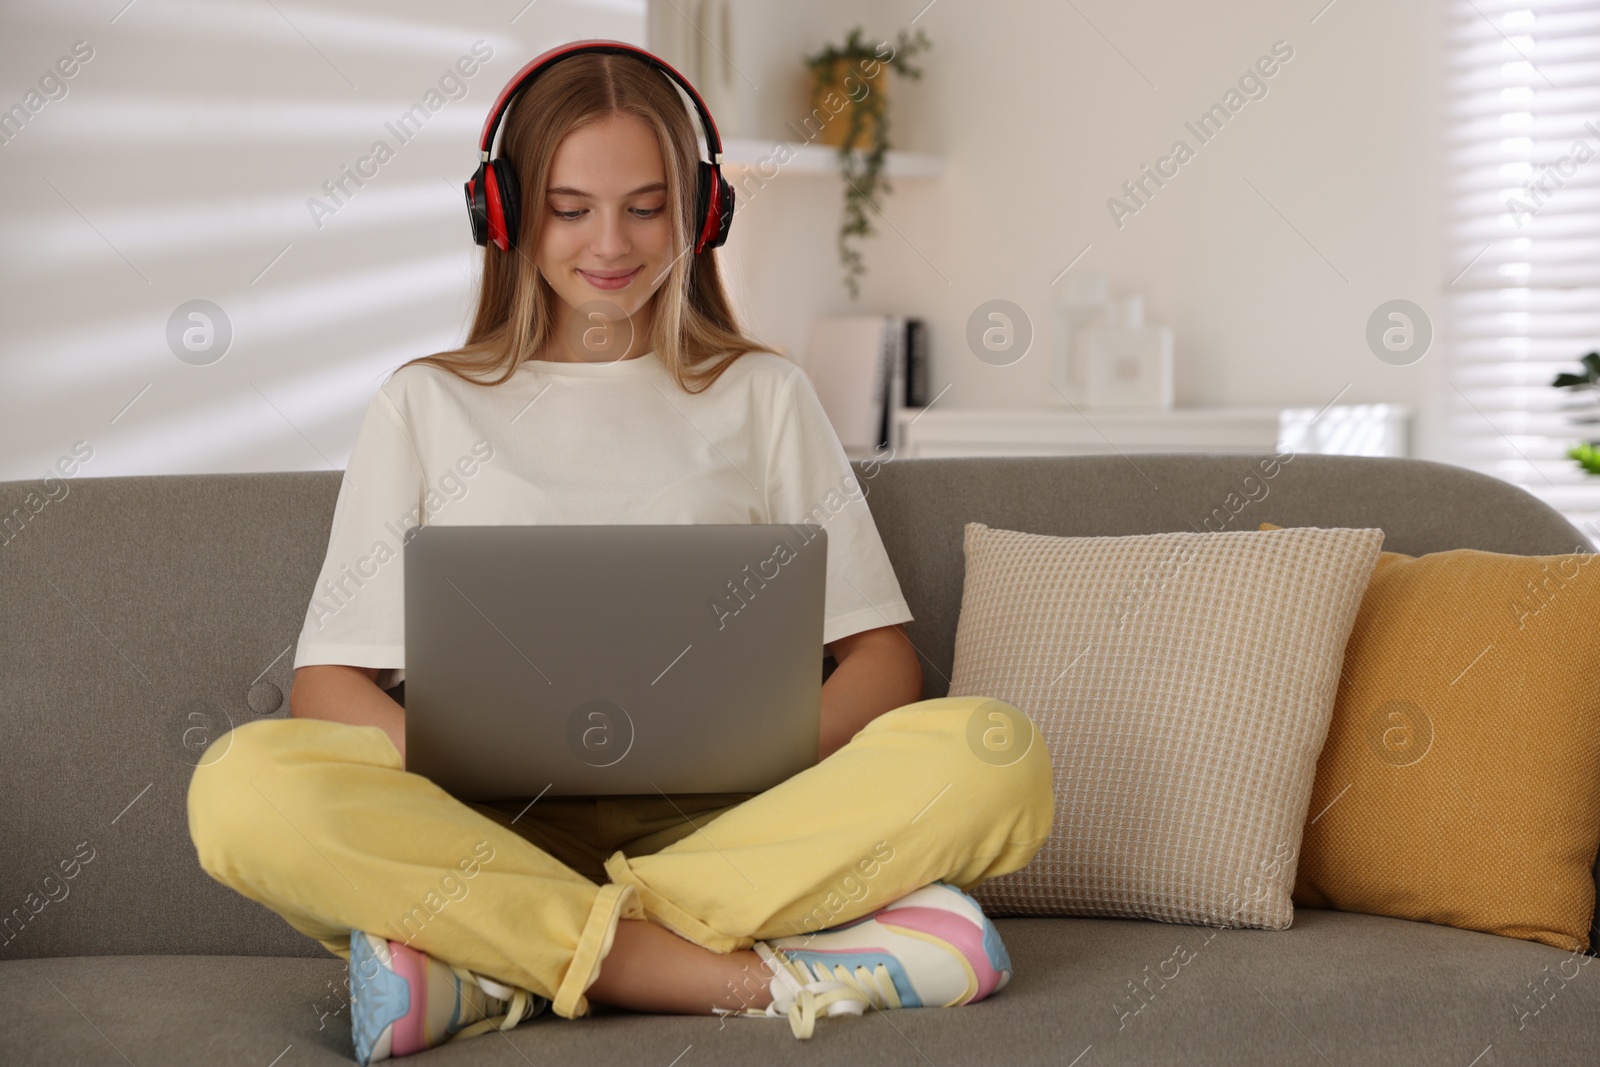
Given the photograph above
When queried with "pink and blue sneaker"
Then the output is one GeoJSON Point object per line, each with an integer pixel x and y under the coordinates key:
{"type": "Point", "coordinates": [933, 948]}
{"type": "Point", "coordinates": [403, 1001]}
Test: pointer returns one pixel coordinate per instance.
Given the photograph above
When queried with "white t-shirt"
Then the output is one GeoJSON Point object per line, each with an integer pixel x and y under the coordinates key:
{"type": "Point", "coordinates": [615, 443]}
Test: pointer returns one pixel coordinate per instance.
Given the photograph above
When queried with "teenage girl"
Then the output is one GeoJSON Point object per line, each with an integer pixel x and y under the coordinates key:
{"type": "Point", "coordinates": [605, 380]}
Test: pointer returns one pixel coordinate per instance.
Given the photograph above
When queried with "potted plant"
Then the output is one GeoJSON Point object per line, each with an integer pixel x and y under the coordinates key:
{"type": "Point", "coordinates": [852, 75]}
{"type": "Point", "coordinates": [1587, 453]}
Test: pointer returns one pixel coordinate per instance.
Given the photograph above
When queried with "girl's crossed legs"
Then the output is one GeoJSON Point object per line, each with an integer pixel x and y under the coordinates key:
{"type": "Point", "coordinates": [319, 822]}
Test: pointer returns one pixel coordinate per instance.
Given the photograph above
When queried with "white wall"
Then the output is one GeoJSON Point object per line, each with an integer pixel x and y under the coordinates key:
{"type": "Point", "coordinates": [1041, 120]}
{"type": "Point", "coordinates": [179, 166]}
{"type": "Point", "coordinates": [188, 146]}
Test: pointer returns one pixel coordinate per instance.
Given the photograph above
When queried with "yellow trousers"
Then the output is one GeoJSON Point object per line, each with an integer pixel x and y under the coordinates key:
{"type": "Point", "coordinates": [320, 822]}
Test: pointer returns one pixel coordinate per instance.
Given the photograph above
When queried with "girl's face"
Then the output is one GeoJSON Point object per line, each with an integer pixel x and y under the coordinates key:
{"type": "Point", "coordinates": [607, 240]}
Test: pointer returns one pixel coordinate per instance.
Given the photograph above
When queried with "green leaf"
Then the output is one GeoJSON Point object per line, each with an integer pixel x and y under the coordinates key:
{"type": "Point", "coordinates": [1586, 455]}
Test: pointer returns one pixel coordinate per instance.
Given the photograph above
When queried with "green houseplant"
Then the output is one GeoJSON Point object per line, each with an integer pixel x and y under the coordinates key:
{"type": "Point", "coordinates": [846, 84]}
{"type": "Point", "coordinates": [1587, 453]}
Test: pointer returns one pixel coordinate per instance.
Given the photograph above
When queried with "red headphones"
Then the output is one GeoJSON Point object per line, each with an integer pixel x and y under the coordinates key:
{"type": "Point", "coordinates": [493, 194]}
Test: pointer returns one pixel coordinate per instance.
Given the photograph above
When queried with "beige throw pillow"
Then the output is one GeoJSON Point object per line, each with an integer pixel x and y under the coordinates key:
{"type": "Point", "coordinates": [1183, 683]}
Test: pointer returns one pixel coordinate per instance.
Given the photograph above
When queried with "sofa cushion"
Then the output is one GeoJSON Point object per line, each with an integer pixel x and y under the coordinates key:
{"type": "Point", "coordinates": [1356, 988]}
{"type": "Point", "coordinates": [1182, 683]}
{"type": "Point", "coordinates": [1460, 780]}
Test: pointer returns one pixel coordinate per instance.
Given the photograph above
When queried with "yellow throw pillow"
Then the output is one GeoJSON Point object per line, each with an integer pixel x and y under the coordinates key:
{"type": "Point", "coordinates": [1460, 780]}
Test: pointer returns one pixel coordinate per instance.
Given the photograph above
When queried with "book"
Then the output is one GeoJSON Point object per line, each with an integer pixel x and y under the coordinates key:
{"type": "Point", "coordinates": [846, 360]}
{"type": "Point", "coordinates": [891, 391]}
{"type": "Point", "coordinates": [916, 363]}
{"type": "Point", "coordinates": [864, 368]}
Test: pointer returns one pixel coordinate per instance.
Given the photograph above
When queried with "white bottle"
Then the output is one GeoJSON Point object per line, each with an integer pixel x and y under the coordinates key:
{"type": "Point", "coordinates": [1082, 303]}
{"type": "Point", "coordinates": [1128, 364]}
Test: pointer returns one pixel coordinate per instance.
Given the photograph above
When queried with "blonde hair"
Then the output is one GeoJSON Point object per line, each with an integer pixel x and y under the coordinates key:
{"type": "Point", "coordinates": [692, 326]}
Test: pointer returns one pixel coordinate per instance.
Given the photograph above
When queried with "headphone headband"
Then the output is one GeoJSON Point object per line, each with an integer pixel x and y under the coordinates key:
{"type": "Point", "coordinates": [605, 47]}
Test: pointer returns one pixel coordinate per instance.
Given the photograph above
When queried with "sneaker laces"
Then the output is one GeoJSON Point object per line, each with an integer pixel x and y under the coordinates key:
{"type": "Point", "coordinates": [804, 991]}
{"type": "Point", "coordinates": [520, 1004]}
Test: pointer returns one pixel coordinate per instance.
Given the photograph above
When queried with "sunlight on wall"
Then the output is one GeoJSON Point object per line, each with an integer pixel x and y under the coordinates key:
{"type": "Point", "coordinates": [183, 160]}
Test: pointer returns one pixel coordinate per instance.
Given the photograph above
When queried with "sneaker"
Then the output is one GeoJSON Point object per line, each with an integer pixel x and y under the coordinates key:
{"type": "Point", "coordinates": [930, 949]}
{"type": "Point", "coordinates": [402, 1001]}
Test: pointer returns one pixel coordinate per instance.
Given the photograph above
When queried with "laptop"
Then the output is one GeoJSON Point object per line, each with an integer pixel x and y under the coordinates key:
{"type": "Point", "coordinates": [602, 660]}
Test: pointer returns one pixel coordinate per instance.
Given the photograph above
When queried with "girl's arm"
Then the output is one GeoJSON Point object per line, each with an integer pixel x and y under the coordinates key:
{"type": "Point", "coordinates": [877, 671]}
{"type": "Point", "coordinates": [347, 694]}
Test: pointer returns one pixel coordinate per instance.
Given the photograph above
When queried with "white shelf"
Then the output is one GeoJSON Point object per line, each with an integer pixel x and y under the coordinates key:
{"type": "Point", "coordinates": [740, 154]}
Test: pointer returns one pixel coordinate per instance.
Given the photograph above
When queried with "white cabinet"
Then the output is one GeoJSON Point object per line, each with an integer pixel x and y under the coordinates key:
{"type": "Point", "coordinates": [933, 432]}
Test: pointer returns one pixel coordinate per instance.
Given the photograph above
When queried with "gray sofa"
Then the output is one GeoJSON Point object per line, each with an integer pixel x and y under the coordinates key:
{"type": "Point", "coordinates": [143, 616]}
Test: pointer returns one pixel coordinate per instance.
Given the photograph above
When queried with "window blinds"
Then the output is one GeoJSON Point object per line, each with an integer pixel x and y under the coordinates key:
{"type": "Point", "coordinates": [1522, 232]}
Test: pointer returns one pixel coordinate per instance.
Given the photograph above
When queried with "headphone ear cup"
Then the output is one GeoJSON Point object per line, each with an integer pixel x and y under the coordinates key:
{"type": "Point", "coordinates": [724, 211]}
{"type": "Point", "coordinates": [477, 209]}
{"type": "Point", "coordinates": [702, 202]}
{"type": "Point", "coordinates": [712, 220]}
{"type": "Point", "coordinates": [510, 200]}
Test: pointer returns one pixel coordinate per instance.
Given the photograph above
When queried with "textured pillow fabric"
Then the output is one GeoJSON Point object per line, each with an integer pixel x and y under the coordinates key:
{"type": "Point", "coordinates": [1460, 780]}
{"type": "Point", "coordinates": [1183, 684]}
